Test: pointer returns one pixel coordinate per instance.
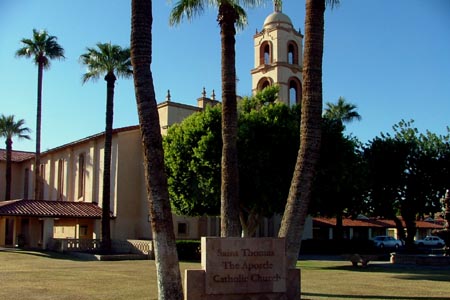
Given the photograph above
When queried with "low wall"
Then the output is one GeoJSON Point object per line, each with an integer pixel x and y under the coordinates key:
{"type": "Point", "coordinates": [134, 247]}
{"type": "Point", "coordinates": [420, 259]}
{"type": "Point", "coordinates": [74, 245]}
{"type": "Point", "coordinates": [143, 247]}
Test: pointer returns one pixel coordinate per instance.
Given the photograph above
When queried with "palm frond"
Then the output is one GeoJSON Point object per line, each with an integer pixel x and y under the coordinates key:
{"type": "Point", "coordinates": [342, 111]}
{"type": "Point", "coordinates": [10, 128]}
{"type": "Point", "coordinates": [250, 3]}
{"type": "Point", "coordinates": [332, 3]}
{"type": "Point", "coordinates": [241, 22]}
{"type": "Point", "coordinates": [187, 9]}
{"type": "Point", "coordinates": [42, 47]}
{"type": "Point", "coordinates": [106, 58]}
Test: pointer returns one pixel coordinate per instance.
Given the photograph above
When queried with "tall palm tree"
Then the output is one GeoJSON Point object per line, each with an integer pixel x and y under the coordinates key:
{"type": "Point", "coordinates": [230, 15]}
{"type": "Point", "coordinates": [296, 210]}
{"type": "Point", "coordinates": [42, 47]}
{"type": "Point", "coordinates": [9, 128]}
{"type": "Point", "coordinates": [166, 257]}
{"type": "Point", "coordinates": [109, 60]}
{"type": "Point", "coordinates": [342, 111]}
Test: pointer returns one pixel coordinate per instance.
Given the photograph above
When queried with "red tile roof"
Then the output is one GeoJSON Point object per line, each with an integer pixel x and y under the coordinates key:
{"type": "Point", "coordinates": [374, 223]}
{"type": "Point", "coordinates": [52, 209]}
{"type": "Point", "coordinates": [16, 156]}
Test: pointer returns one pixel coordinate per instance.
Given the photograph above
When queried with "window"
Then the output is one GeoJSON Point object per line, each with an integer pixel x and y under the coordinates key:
{"type": "Point", "coordinates": [292, 53]}
{"type": "Point", "coordinates": [182, 228]}
{"type": "Point", "coordinates": [83, 231]}
{"type": "Point", "coordinates": [265, 54]}
{"type": "Point", "coordinates": [81, 175]}
{"type": "Point", "coordinates": [263, 83]}
{"type": "Point", "coordinates": [295, 91]}
{"type": "Point", "coordinates": [60, 187]}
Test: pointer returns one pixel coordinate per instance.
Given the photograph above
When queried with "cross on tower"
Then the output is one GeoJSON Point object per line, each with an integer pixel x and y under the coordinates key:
{"type": "Point", "coordinates": [277, 4]}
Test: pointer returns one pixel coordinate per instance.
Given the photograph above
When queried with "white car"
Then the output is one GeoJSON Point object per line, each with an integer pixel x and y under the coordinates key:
{"type": "Point", "coordinates": [384, 241]}
{"type": "Point", "coordinates": [431, 240]}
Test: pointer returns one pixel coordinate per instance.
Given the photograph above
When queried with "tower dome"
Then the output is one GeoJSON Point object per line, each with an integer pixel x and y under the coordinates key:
{"type": "Point", "coordinates": [277, 18]}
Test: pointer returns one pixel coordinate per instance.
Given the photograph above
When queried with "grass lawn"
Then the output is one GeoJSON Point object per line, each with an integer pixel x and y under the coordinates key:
{"type": "Point", "coordinates": [36, 275]}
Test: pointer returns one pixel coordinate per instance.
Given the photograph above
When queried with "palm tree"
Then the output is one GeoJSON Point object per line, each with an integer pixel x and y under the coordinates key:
{"type": "Point", "coordinates": [341, 111]}
{"type": "Point", "coordinates": [9, 128]}
{"type": "Point", "coordinates": [230, 16]}
{"type": "Point", "coordinates": [166, 257]}
{"type": "Point", "coordinates": [296, 210]}
{"type": "Point", "coordinates": [42, 47]}
{"type": "Point", "coordinates": [110, 60]}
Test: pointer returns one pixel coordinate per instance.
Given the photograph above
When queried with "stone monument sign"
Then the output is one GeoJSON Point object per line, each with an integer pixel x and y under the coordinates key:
{"type": "Point", "coordinates": [242, 269]}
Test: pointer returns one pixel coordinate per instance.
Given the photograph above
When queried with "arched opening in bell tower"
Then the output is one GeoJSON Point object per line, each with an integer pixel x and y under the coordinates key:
{"type": "Point", "coordinates": [265, 53]}
{"type": "Point", "coordinates": [295, 91]}
{"type": "Point", "coordinates": [263, 83]}
{"type": "Point", "coordinates": [292, 53]}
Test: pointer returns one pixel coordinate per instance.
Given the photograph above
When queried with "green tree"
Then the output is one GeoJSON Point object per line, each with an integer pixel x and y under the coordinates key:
{"type": "Point", "coordinates": [265, 97]}
{"type": "Point", "coordinates": [386, 161]}
{"type": "Point", "coordinates": [422, 189]}
{"type": "Point", "coordinates": [230, 15]}
{"type": "Point", "coordinates": [267, 145]}
{"type": "Point", "coordinates": [296, 210]}
{"type": "Point", "coordinates": [192, 157]}
{"type": "Point", "coordinates": [340, 181]}
{"type": "Point", "coordinates": [10, 128]}
{"type": "Point", "coordinates": [339, 157]}
{"type": "Point", "coordinates": [166, 257]}
{"type": "Point", "coordinates": [341, 111]}
{"type": "Point", "coordinates": [408, 173]}
{"type": "Point", "coordinates": [42, 47]}
{"type": "Point", "coordinates": [109, 60]}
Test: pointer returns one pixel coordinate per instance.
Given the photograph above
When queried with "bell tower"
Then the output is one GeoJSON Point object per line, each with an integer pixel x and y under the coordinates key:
{"type": "Point", "coordinates": [278, 57]}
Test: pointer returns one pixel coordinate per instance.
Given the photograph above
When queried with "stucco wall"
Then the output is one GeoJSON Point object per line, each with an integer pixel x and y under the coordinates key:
{"type": "Point", "coordinates": [131, 220]}
{"type": "Point", "coordinates": [172, 112]}
{"type": "Point", "coordinates": [17, 179]}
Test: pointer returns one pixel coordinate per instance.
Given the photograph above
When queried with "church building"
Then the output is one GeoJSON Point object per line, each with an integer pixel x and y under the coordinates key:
{"type": "Point", "coordinates": [72, 173]}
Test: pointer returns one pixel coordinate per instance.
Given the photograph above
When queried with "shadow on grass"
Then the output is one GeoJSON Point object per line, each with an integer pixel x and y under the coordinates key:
{"type": "Point", "coordinates": [39, 253]}
{"type": "Point", "coordinates": [431, 277]}
{"type": "Point", "coordinates": [405, 272]}
{"type": "Point", "coordinates": [377, 297]}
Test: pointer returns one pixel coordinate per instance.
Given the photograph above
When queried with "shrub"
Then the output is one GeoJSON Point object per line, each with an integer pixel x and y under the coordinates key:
{"type": "Point", "coordinates": [189, 250]}
{"type": "Point", "coordinates": [337, 247]}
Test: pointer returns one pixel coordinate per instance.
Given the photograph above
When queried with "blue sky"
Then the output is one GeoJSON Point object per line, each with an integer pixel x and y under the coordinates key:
{"type": "Point", "coordinates": [390, 58]}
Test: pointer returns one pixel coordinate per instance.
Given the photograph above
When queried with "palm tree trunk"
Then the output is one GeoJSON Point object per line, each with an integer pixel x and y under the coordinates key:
{"type": "Point", "coordinates": [409, 217]}
{"type": "Point", "coordinates": [166, 257]}
{"type": "Point", "coordinates": [296, 210]}
{"type": "Point", "coordinates": [230, 225]}
{"type": "Point", "coordinates": [8, 169]}
{"type": "Point", "coordinates": [106, 207]}
{"type": "Point", "coordinates": [339, 226]}
{"type": "Point", "coordinates": [37, 158]}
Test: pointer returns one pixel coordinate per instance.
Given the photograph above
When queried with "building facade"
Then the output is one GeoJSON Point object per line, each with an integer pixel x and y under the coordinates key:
{"type": "Point", "coordinates": [72, 173]}
{"type": "Point", "coordinates": [72, 186]}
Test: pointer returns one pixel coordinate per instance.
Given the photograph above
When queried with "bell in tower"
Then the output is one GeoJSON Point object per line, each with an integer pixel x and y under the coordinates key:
{"type": "Point", "coordinates": [278, 57]}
